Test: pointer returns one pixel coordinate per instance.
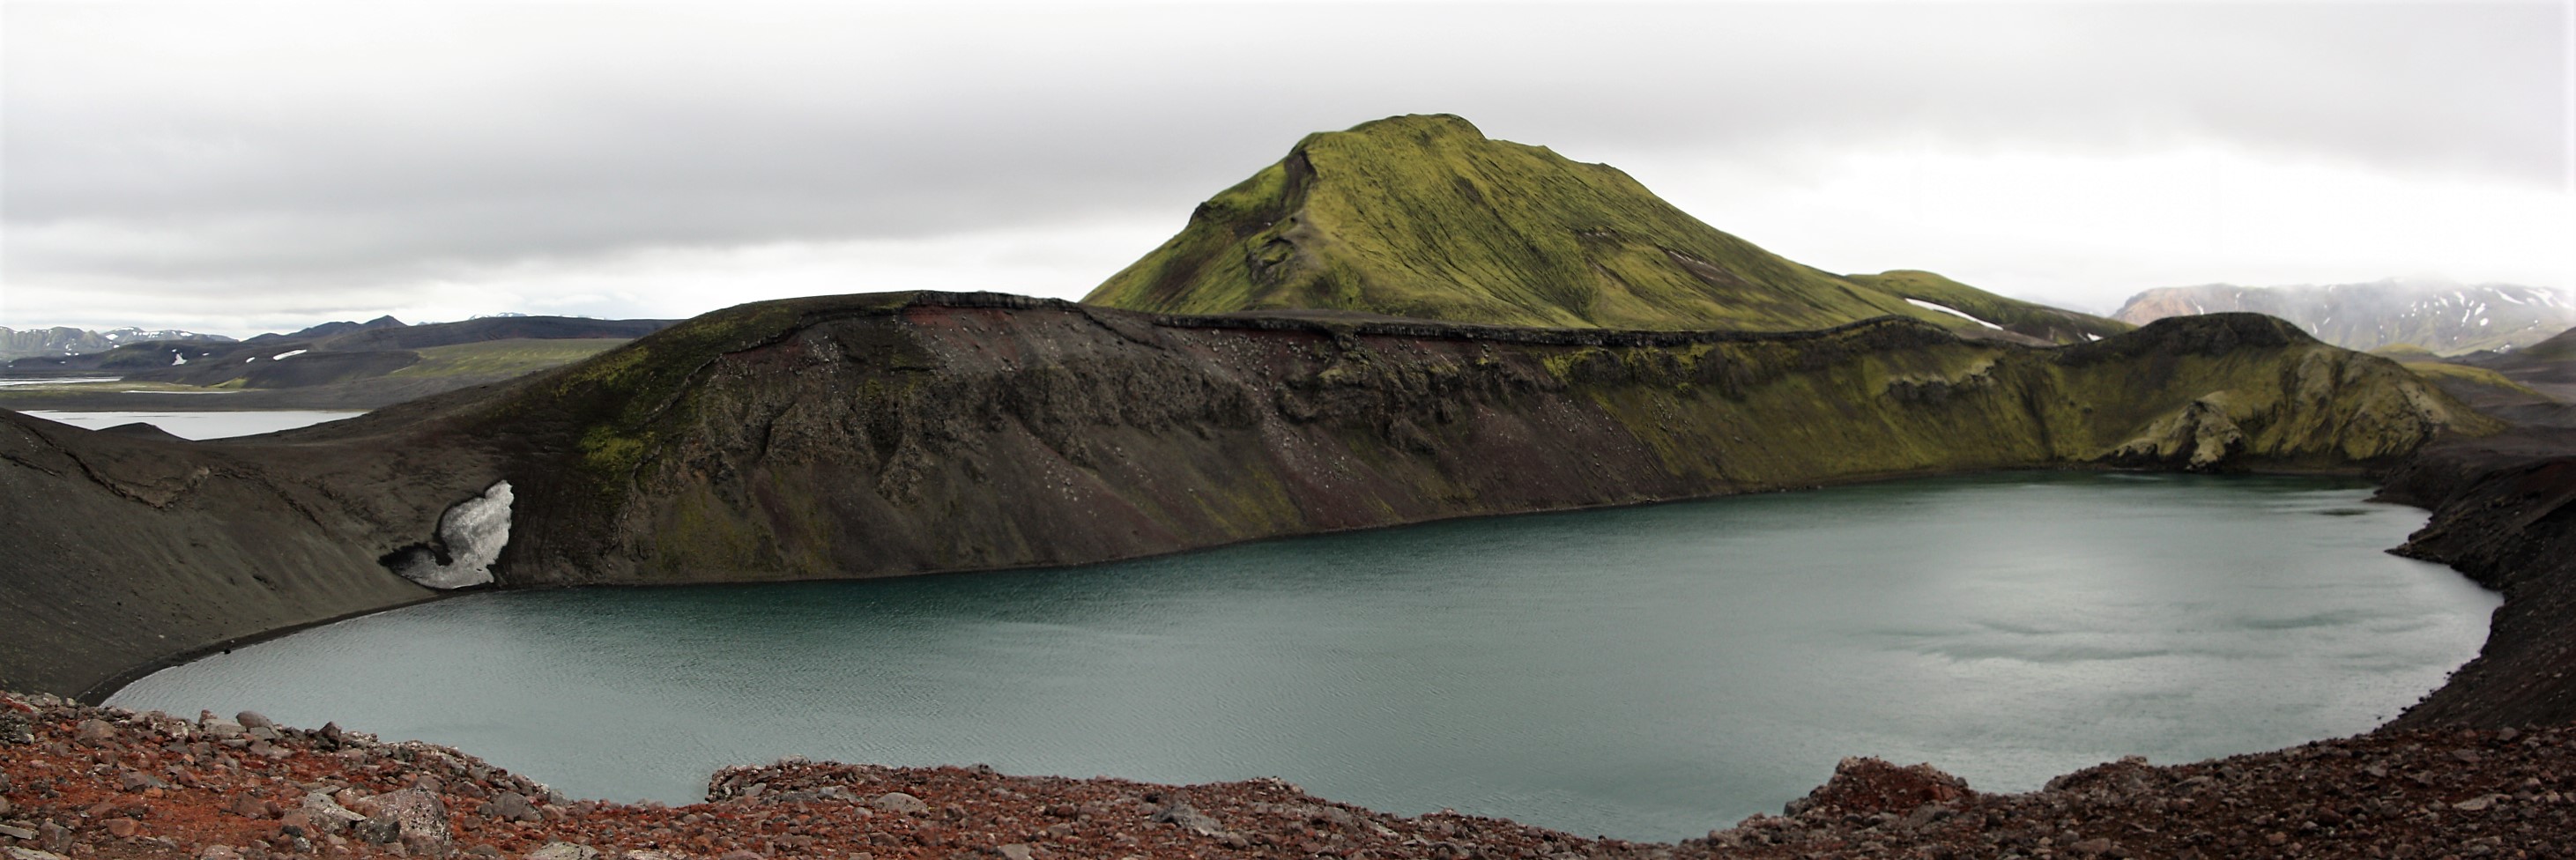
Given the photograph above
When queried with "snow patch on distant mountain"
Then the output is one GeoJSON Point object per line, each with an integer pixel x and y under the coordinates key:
{"type": "Point", "coordinates": [65, 340]}
{"type": "Point", "coordinates": [2444, 317]}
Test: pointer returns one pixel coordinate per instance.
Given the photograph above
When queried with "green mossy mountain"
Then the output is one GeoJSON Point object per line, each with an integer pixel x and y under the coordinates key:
{"type": "Point", "coordinates": [1423, 216]}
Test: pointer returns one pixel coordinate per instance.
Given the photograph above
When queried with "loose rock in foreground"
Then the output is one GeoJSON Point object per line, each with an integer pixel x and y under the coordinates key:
{"type": "Point", "coordinates": [100, 783]}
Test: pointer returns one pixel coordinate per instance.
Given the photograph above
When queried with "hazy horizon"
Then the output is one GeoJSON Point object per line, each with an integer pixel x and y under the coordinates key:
{"type": "Point", "coordinates": [2427, 282]}
{"type": "Point", "coordinates": [239, 169]}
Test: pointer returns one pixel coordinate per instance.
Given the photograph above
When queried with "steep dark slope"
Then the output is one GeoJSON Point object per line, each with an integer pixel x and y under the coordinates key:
{"type": "Point", "coordinates": [2504, 515]}
{"type": "Point", "coordinates": [122, 549]}
{"type": "Point", "coordinates": [1425, 217]}
{"type": "Point", "coordinates": [898, 433]}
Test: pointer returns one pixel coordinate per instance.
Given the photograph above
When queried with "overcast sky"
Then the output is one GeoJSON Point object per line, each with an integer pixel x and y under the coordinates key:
{"type": "Point", "coordinates": [239, 168]}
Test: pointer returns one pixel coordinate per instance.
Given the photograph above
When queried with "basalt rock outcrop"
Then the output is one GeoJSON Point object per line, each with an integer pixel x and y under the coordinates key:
{"type": "Point", "coordinates": [914, 432]}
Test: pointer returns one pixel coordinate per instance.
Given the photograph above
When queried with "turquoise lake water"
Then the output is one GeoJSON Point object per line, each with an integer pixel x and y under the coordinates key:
{"type": "Point", "coordinates": [1648, 672]}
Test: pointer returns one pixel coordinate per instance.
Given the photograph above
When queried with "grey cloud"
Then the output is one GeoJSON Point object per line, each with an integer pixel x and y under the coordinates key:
{"type": "Point", "coordinates": [339, 142]}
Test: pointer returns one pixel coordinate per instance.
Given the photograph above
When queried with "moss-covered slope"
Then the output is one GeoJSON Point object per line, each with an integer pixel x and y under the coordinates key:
{"type": "Point", "coordinates": [1425, 217]}
{"type": "Point", "coordinates": [2031, 319]}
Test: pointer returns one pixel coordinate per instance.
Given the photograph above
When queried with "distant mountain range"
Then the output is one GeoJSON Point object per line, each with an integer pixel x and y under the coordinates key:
{"type": "Point", "coordinates": [331, 328]}
{"type": "Point", "coordinates": [2446, 318]}
{"type": "Point", "coordinates": [335, 364]}
{"type": "Point", "coordinates": [65, 340]}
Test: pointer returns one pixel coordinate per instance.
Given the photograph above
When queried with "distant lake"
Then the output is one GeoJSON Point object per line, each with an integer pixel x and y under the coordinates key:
{"type": "Point", "coordinates": [49, 381]}
{"type": "Point", "coordinates": [1650, 672]}
{"type": "Point", "coordinates": [201, 425]}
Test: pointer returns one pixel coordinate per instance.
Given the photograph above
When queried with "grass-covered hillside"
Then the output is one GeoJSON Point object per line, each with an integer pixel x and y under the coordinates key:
{"type": "Point", "coordinates": [2531, 385]}
{"type": "Point", "coordinates": [2055, 325]}
{"type": "Point", "coordinates": [1424, 216]}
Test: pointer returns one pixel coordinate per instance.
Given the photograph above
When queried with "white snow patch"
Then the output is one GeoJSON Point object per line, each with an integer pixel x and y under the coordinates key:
{"type": "Point", "coordinates": [288, 354]}
{"type": "Point", "coordinates": [2482, 321]}
{"type": "Point", "coordinates": [177, 359]}
{"type": "Point", "coordinates": [2089, 336]}
{"type": "Point", "coordinates": [250, 359]}
{"type": "Point", "coordinates": [1951, 311]}
{"type": "Point", "coordinates": [473, 532]}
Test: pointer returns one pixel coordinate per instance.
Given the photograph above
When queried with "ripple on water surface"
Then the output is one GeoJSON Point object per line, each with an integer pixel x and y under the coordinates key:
{"type": "Point", "coordinates": [1645, 672]}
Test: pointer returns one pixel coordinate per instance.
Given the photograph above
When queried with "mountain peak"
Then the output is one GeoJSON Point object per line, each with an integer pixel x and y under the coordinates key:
{"type": "Point", "coordinates": [1417, 125]}
{"type": "Point", "coordinates": [1424, 216]}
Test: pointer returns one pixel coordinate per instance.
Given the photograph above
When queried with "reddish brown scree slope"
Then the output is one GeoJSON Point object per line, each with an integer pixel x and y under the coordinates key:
{"type": "Point", "coordinates": [84, 782]}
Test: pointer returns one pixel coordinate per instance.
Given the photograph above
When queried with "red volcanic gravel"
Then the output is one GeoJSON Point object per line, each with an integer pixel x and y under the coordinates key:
{"type": "Point", "coordinates": [84, 782]}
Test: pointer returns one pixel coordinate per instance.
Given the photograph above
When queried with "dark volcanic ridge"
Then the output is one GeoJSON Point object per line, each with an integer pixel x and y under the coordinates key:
{"type": "Point", "coordinates": [908, 433]}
